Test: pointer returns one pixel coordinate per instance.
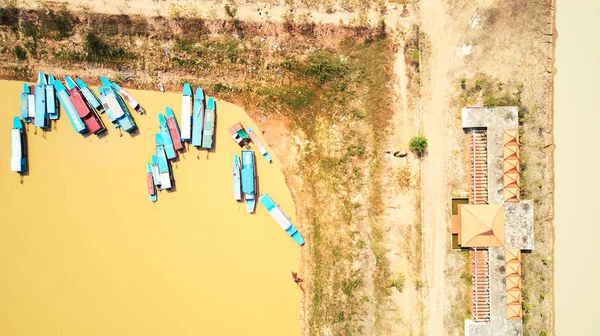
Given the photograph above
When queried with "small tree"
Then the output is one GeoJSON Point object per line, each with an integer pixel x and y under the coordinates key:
{"type": "Point", "coordinates": [231, 9]}
{"type": "Point", "coordinates": [418, 145]}
{"type": "Point", "coordinates": [20, 53]}
{"type": "Point", "coordinates": [490, 101]}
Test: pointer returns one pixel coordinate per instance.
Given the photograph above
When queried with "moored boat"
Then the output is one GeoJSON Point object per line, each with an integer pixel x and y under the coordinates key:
{"type": "Point", "coordinates": [41, 116]}
{"type": "Point", "coordinates": [107, 109]}
{"type": "Point", "coordinates": [67, 105]}
{"type": "Point", "coordinates": [209, 124]}
{"type": "Point", "coordinates": [51, 103]}
{"type": "Point", "coordinates": [117, 106]}
{"type": "Point", "coordinates": [258, 143]}
{"type": "Point", "coordinates": [166, 137]}
{"type": "Point", "coordinates": [186, 113]}
{"type": "Point", "coordinates": [89, 95]}
{"type": "Point", "coordinates": [249, 180]}
{"type": "Point", "coordinates": [163, 163]}
{"type": "Point", "coordinates": [24, 105]}
{"type": "Point", "coordinates": [238, 133]}
{"type": "Point", "coordinates": [198, 118]}
{"type": "Point", "coordinates": [18, 160]}
{"type": "Point", "coordinates": [150, 183]}
{"type": "Point", "coordinates": [173, 129]}
{"type": "Point", "coordinates": [237, 179]}
{"type": "Point", "coordinates": [280, 217]}
{"type": "Point", "coordinates": [84, 110]}
{"type": "Point", "coordinates": [155, 172]}
{"type": "Point", "coordinates": [31, 103]}
{"type": "Point", "coordinates": [129, 98]}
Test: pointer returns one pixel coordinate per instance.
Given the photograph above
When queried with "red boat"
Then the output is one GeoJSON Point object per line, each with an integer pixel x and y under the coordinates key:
{"type": "Point", "coordinates": [173, 130]}
{"type": "Point", "coordinates": [84, 110]}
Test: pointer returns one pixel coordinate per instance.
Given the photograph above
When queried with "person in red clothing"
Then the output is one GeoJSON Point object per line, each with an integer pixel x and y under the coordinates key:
{"type": "Point", "coordinates": [298, 280]}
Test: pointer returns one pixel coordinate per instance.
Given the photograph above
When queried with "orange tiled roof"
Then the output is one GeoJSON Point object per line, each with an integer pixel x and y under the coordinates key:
{"type": "Point", "coordinates": [481, 225]}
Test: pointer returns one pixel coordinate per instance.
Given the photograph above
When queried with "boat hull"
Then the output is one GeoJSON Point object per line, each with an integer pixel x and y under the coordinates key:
{"type": "Point", "coordinates": [41, 118]}
{"type": "Point", "coordinates": [281, 218]}
{"type": "Point", "coordinates": [65, 101]}
{"type": "Point", "coordinates": [18, 160]}
{"type": "Point", "coordinates": [209, 124]}
{"type": "Point", "coordinates": [198, 118]}
{"type": "Point", "coordinates": [85, 112]}
{"type": "Point", "coordinates": [249, 179]}
{"type": "Point", "coordinates": [186, 113]}
{"type": "Point", "coordinates": [173, 130]}
{"type": "Point", "coordinates": [237, 179]}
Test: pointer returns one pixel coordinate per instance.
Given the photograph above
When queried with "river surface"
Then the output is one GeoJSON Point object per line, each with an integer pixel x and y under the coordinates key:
{"type": "Point", "coordinates": [84, 252]}
{"type": "Point", "coordinates": [577, 167]}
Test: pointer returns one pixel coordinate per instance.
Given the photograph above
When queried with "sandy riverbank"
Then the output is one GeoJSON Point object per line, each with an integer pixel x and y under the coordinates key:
{"type": "Point", "coordinates": [577, 117]}
{"type": "Point", "coordinates": [84, 252]}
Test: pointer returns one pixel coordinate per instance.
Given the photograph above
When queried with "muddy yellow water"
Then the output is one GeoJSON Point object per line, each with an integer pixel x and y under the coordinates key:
{"type": "Point", "coordinates": [84, 252]}
{"type": "Point", "coordinates": [577, 137]}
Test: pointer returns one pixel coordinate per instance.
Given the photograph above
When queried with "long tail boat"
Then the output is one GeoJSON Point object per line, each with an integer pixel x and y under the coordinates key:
{"type": "Point", "coordinates": [173, 129]}
{"type": "Point", "coordinates": [107, 109]}
{"type": "Point", "coordinates": [18, 161]}
{"type": "Point", "coordinates": [129, 98]}
{"type": "Point", "coordinates": [84, 110]}
{"type": "Point", "coordinates": [163, 164]}
{"type": "Point", "coordinates": [150, 183]}
{"type": "Point", "coordinates": [261, 147]}
{"type": "Point", "coordinates": [155, 171]}
{"type": "Point", "coordinates": [31, 103]}
{"type": "Point", "coordinates": [65, 101]}
{"type": "Point", "coordinates": [41, 116]}
{"type": "Point", "coordinates": [118, 108]}
{"type": "Point", "coordinates": [51, 103]}
{"type": "Point", "coordinates": [89, 95]}
{"type": "Point", "coordinates": [249, 180]}
{"type": "Point", "coordinates": [198, 118]}
{"type": "Point", "coordinates": [24, 106]}
{"type": "Point", "coordinates": [237, 179]}
{"type": "Point", "coordinates": [166, 137]}
{"type": "Point", "coordinates": [209, 124]}
{"type": "Point", "coordinates": [281, 219]}
{"type": "Point", "coordinates": [186, 113]}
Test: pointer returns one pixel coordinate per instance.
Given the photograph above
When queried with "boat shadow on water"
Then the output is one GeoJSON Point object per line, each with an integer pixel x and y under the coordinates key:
{"type": "Point", "coordinates": [134, 133]}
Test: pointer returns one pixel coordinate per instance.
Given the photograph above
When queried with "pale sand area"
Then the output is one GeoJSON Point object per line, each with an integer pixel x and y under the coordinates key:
{"type": "Point", "coordinates": [84, 252]}
{"type": "Point", "coordinates": [577, 167]}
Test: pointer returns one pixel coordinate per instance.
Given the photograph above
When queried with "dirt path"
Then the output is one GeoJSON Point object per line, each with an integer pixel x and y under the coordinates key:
{"type": "Point", "coordinates": [438, 52]}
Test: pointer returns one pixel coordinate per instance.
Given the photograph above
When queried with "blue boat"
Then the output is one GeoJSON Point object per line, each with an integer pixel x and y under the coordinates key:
{"type": "Point", "coordinates": [258, 143]}
{"type": "Point", "coordinates": [150, 183]}
{"type": "Point", "coordinates": [155, 172]}
{"type": "Point", "coordinates": [88, 94]}
{"type": "Point", "coordinates": [25, 103]}
{"type": "Point", "coordinates": [51, 103]}
{"type": "Point", "coordinates": [281, 219]}
{"type": "Point", "coordinates": [186, 113]}
{"type": "Point", "coordinates": [41, 117]}
{"type": "Point", "coordinates": [107, 109]}
{"type": "Point", "coordinates": [18, 161]}
{"type": "Point", "coordinates": [117, 106]}
{"type": "Point", "coordinates": [63, 97]}
{"type": "Point", "coordinates": [198, 118]}
{"type": "Point", "coordinates": [163, 163]}
{"type": "Point", "coordinates": [129, 98]}
{"type": "Point", "coordinates": [166, 137]}
{"type": "Point", "coordinates": [249, 180]}
{"type": "Point", "coordinates": [209, 124]}
{"type": "Point", "coordinates": [237, 180]}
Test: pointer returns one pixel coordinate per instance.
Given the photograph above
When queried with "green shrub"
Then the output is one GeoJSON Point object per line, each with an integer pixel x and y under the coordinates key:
{"type": "Point", "coordinates": [418, 284]}
{"type": "Point", "coordinates": [543, 333]}
{"type": "Point", "coordinates": [418, 145]}
{"type": "Point", "coordinates": [414, 56]}
{"type": "Point", "coordinates": [20, 53]}
{"type": "Point", "coordinates": [478, 84]}
{"type": "Point", "coordinates": [398, 283]}
{"type": "Point", "coordinates": [490, 101]}
{"type": "Point", "coordinates": [527, 307]}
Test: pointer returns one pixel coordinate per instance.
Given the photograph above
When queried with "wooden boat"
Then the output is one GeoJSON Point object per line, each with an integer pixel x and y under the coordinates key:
{"type": "Point", "coordinates": [258, 143]}
{"type": "Point", "coordinates": [155, 172]}
{"type": "Point", "coordinates": [18, 160]}
{"type": "Point", "coordinates": [237, 179]}
{"type": "Point", "coordinates": [117, 106]}
{"type": "Point", "coordinates": [163, 164]}
{"type": "Point", "coordinates": [198, 118]}
{"type": "Point", "coordinates": [41, 116]}
{"type": "Point", "coordinates": [238, 133]}
{"type": "Point", "coordinates": [186, 113]}
{"type": "Point", "coordinates": [129, 99]}
{"type": "Point", "coordinates": [84, 110]}
{"type": "Point", "coordinates": [31, 102]}
{"type": "Point", "coordinates": [150, 183]}
{"type": "Point", "coordinates": [281, 219]}
{"type": "Point", "coordinates": [67, 105]}
{"type": "Point", "coordinates": [249, 180]}
{"type": "Point", "coordinates": [51, 103]}
{"type": "Point", "coordinates": [173, 129]}
{"type": "Point", "coordinates": [24, 105]}
{"type": "Point", "coordinates": [166, 137]}
{"type": "Point", "coordinates": [209, 124]}
{"type": "Point", "coordinates": [106, 109]}
{"type": "Point", "coordinates": [89, 95]}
